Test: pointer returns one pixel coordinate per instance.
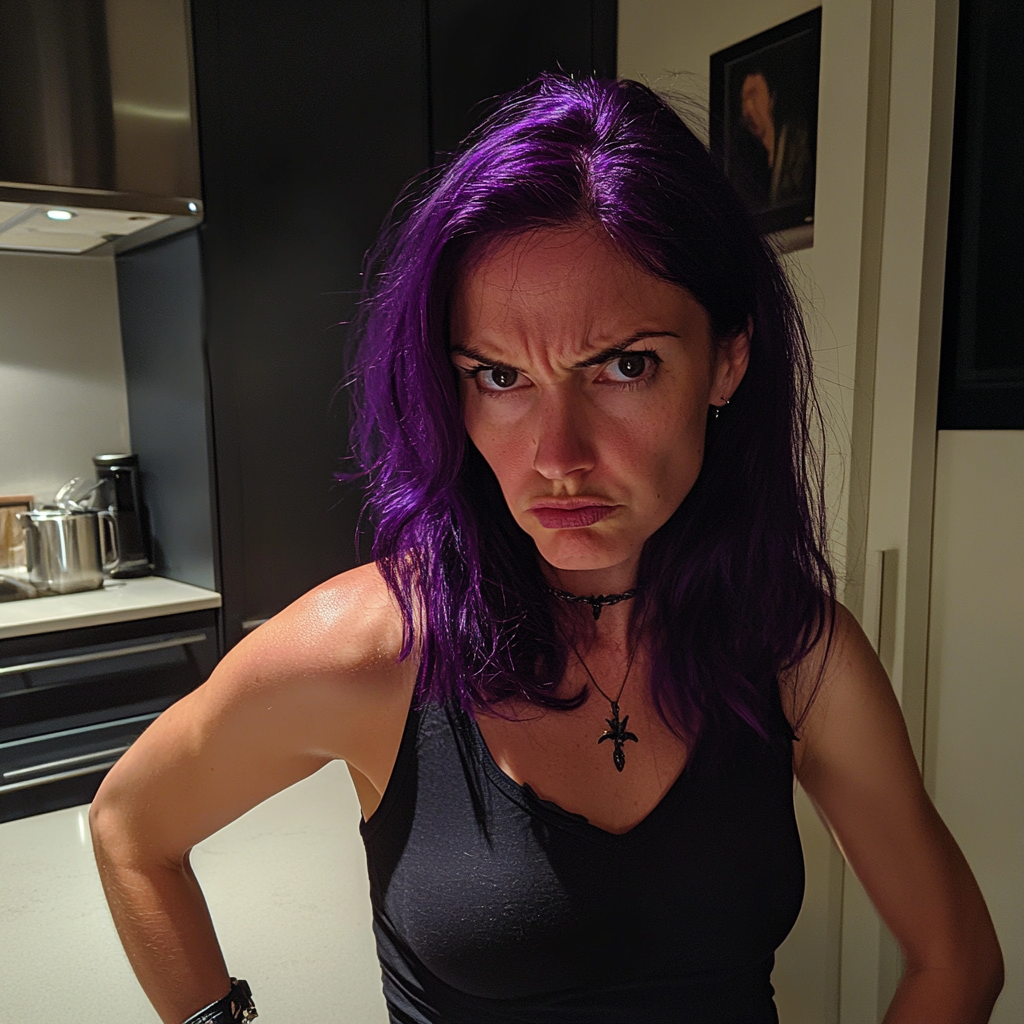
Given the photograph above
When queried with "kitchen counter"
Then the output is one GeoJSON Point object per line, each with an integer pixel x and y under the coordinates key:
{"type": "Point", "coordinates": [117, 601]}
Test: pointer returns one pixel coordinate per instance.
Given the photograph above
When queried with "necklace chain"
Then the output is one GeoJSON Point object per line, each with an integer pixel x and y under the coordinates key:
{"type": "Point", "coordinates": [586, 668]}
{"type": "Point", "coordinates": [617, 731]}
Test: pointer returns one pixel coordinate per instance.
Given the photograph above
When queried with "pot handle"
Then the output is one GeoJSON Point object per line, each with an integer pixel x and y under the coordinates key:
{"type": "Point", "coordinates": [110, 547]}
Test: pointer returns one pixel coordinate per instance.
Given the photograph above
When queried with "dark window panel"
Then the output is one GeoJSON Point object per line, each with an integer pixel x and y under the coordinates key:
{"type": "Point", "coordinates": [982, 378]}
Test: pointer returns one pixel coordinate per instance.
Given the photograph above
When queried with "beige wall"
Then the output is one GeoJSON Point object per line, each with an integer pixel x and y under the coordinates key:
{"type": "Point", "coordinates": [62, 385]}
{"type": "Point", "coordinates": [974, 744]}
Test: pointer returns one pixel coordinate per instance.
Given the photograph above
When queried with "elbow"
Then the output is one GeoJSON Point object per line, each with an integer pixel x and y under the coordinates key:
{"type": "Point", "coordinates": [100, 813]}
{"type": "Point", "coordinates": [103, 812]}
{"type": "Point", "coordinates": [121, 837]}
{"type": "Point", "coordinates": [965, 980]}
{"type": "Point", "coordinates": [113, 825]}
{"type": "Point", "coordinates": [987, 964]}
{"type": "Point", "coordinates": [995, 975]}
{"type": "Point", "coordinates": [984, 978]}
{"type": "Point", "coordinates": [116, 805]}
{"type": "Point", "coordinates": [105, 827]}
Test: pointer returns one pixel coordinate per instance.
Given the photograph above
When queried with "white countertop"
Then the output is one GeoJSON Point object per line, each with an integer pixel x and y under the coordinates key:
{"type": "Point", "coordinates": [118, 601]}
{"type": "Point", "coordinates": [295, 864]}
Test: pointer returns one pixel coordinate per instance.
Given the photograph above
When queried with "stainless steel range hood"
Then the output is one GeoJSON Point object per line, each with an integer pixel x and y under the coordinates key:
{"type": "Point", "coordinates": [97, 124]}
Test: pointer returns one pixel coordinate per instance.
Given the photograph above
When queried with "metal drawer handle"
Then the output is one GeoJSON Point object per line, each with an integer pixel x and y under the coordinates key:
{"type": "Point", "coordinates": [118, 652]}
{"type": "Point", "coordinates": [46, 737]}
{"type": "Point", "coordinates": [64, 761]}
{"type": "Point", "coordinates": [10, 787]}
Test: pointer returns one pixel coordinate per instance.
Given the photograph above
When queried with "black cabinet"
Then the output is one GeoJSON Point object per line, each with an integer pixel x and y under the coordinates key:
{"type": "Point", "coordinates": [479, 51]}
{"type": "Point", "coordinates": [312, 118]}
{"type": "Point", "coordinates": [71, 702]}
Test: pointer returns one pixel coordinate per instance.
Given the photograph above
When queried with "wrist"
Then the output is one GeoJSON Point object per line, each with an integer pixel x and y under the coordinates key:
{"type": "Point", "coordinates": [236, 1007]}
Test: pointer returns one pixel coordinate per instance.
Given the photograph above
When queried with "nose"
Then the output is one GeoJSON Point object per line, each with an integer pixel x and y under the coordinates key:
{"type": "Point", "coordinates": [564, 435]}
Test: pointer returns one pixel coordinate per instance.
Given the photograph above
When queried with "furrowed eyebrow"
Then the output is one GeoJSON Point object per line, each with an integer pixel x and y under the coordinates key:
{"type": "Point", "coordinates": [475, 353]}
{"type": "Point", "coordinates": [610, 353]}
{"type": "Point", "coordinates": [595, 360]}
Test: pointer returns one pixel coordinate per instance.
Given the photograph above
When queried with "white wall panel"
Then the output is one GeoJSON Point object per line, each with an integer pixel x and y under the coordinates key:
{"type": "Point", "coordinates": [62, 386]}
{"type": "Point", "coordinates": [974, 743]}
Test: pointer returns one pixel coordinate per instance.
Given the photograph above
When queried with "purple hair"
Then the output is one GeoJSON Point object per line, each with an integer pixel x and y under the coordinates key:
{"type": "Point", "coordinates": [736, 586]}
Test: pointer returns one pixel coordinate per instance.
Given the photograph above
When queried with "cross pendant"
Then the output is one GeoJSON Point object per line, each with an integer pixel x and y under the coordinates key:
{"type": "Point", "coordinates": [618, 734]}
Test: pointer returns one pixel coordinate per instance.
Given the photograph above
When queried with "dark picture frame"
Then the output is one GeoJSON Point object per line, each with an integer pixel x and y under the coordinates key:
{"type": "Point", "coordinates": [764, 124]}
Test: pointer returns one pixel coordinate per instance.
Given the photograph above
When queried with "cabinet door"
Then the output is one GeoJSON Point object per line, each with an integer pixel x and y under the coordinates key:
{"type": "Point", "coordinates": [311, 118]}
{"type": "Point", "coordinates": [72, 702]}
{"type": "Point", "coordinates": [480, 49]}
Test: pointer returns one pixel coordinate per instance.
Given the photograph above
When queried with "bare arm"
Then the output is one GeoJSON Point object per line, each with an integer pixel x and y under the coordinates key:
{"type": "Point", "coordinates": [855, 761]}
{"type": "Point", "coordinates": [318, 682]}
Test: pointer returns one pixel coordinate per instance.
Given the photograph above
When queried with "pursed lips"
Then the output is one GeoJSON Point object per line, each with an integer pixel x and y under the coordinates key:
{"type": "Point", "coordinates": [571, 513]}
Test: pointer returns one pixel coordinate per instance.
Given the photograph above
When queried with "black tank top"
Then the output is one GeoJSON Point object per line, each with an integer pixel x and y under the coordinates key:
{"type": "Point", "coordinates": [491, 906]}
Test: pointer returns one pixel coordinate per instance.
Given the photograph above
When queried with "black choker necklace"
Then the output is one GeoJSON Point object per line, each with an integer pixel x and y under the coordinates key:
{"type": "Point", "coordinates": [596, 601]}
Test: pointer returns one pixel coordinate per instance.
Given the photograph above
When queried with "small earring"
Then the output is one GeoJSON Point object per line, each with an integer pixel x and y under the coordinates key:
{"type": "Point", "coordinates": [718, 408]}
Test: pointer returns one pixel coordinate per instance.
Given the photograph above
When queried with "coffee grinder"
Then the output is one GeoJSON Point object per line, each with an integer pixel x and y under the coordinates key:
{"type": "Point", "coordinates": [119, 490]}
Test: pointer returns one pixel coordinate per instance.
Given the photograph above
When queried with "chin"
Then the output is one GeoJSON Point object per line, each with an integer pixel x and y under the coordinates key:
{"type": "Point", "coordinates": [573, 550]}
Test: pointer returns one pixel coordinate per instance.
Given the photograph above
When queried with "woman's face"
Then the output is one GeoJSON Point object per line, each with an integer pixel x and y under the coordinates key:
{"type": "Point", "coordinates": [585, 384]}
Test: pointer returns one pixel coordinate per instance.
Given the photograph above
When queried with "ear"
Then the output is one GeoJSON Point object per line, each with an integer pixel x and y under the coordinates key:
{"type": "Point", "coordinates": [731, 361]}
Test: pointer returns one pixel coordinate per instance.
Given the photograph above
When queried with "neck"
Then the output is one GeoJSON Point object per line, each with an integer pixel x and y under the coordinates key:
{"type": "Point", "coordinates": [610, 631]}
{"type": "Point", "coordinates": [615, 579]}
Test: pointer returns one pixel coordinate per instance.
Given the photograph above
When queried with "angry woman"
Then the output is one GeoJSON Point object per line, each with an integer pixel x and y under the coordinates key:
{"type": "Point", "coordinates": [599, 635]}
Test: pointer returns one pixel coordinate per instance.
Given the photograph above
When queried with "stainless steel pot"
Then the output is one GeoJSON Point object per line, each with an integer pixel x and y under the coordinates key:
{"type": "Point", "coordinates": [68, 550]}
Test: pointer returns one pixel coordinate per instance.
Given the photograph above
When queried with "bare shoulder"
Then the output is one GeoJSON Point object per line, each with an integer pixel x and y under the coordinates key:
{"type": "Point", "coordinates": [840, 677]}
{"type": "Point", "coordinates": [331, 659]}
{"type": "Point", "coordinates": [851, 735]}
{"type": "Point", "coordinates": [349, 626]}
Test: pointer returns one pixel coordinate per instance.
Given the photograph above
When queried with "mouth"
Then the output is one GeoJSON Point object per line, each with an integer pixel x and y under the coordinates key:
{"type": "Point", "coordinates": [570, 513]}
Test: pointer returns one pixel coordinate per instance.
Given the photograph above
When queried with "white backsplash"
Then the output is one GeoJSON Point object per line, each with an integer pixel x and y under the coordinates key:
{"type": "Point", "coordinates": [62, 385]}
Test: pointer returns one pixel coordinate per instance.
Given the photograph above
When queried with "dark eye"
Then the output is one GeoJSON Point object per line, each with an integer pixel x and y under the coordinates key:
{"type": "Point", "coordinates": [631, 366]}
{"type": "Point", "coordinates": [500, 377]}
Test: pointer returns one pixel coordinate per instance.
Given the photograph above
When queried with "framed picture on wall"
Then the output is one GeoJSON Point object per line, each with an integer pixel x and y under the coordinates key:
{"type": "Point", "coordinates": [764, 124]}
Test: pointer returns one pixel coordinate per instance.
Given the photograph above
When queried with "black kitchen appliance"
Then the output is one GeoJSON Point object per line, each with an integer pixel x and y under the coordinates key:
{"type": "Point", "coordinates": [120, 492]}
